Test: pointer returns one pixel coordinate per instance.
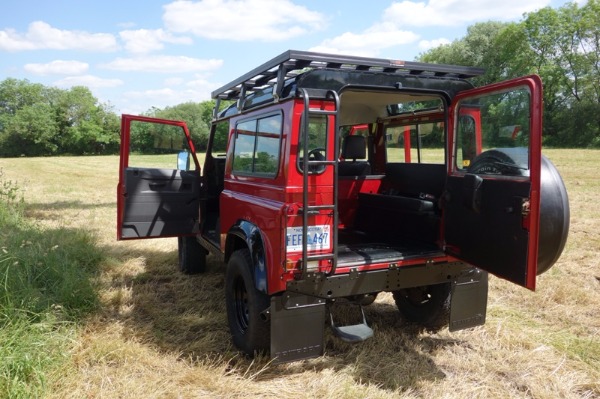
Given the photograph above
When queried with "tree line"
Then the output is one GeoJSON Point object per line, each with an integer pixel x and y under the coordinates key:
{"type": "Point", "coordinates": [561, 45]}
{"type": "Point", "coordinates": [36, 120]}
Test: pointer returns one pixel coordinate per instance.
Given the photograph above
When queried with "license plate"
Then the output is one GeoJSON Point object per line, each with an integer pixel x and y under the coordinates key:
{"type": "Point", "coordinates": [317, 237]}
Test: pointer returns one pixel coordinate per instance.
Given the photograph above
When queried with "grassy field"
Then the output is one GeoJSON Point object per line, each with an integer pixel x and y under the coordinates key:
{"type": "Point", "coordinates": [159, 334]}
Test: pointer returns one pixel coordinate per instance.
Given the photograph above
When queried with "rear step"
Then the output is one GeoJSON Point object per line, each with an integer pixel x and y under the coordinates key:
{"type": "Point", "coordinates": [352, 333]}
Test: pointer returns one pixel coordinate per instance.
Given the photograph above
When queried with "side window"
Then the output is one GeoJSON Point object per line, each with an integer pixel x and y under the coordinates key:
{"type": "Point", "coordinates": [498, 120]}
{"type": "Point", "coordinates": [317, 142]}
{"type": "Point", "coordinates": [158, 146]}
{"type": "Point", "coordinates": [243, 153]}
{"type": "Point", "coordinates": [256, 147]}
{"type": "Point", "coordinates": [266, 155]}
{"type": "Point", "coordinates": [219, 144]}
{"type": "Point", "coordinates": [417, 143]}
{"type": "Point", "coordinates": [468, 145]}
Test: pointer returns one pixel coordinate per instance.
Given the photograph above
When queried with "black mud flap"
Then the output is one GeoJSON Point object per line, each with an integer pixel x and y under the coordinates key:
{"type": "Point", "coordinates": [297, 327]}
{"type": "Point", "coordinates": [468, 302]}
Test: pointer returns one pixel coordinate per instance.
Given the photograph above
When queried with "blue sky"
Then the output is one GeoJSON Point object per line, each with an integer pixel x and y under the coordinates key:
{"type": "Point", "coordinates": [135, 54]}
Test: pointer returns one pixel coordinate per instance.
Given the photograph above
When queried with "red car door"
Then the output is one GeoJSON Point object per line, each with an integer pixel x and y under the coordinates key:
{"type": "Point", "coordinates": [492, 199]}
{"type": "Point", "coordinates": [158, 193]}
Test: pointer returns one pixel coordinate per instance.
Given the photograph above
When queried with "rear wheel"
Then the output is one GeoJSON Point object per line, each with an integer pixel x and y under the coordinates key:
{"type": "Point", "coordinates": [192, 256]}
{"type": "Point", "coordinates": [428, 306]}
{"type": "Point", "coordinates": [250, 331]}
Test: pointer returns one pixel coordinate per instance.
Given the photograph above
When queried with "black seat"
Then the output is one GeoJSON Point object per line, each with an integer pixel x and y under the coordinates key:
{"type": "Point", "coordinates": [353, 148]}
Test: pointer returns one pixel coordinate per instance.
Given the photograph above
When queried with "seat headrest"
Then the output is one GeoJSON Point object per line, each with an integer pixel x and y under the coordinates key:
{"type": "Point", "coordinates": [354, 147]}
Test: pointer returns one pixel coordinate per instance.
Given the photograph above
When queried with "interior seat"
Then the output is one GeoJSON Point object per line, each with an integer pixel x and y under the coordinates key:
{"type": "Point", "coordinates": [354, 154]}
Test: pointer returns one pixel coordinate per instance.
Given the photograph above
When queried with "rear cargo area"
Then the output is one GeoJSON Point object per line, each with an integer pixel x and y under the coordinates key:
{"type": "Point", "coordinates": [391, 217]}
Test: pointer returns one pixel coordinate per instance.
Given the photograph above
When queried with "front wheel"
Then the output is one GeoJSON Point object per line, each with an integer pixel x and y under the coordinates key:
{"type": "Point", "coordinates": [250, 331]}
{"type": "Point", "coordinates": [192, 256]}
{"type": "Point", "coordinates": [428, 306]}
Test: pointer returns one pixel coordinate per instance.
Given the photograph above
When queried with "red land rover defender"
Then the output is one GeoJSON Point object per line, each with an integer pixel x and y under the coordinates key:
{"type": "Point", "coordinates": [332, 178]}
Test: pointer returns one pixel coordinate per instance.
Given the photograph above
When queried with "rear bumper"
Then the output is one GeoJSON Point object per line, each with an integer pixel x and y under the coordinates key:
{"type": "Point", "coordinates": [365, 282]}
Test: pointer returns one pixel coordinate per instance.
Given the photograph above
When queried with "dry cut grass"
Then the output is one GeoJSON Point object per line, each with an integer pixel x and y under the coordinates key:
{"type": "Point", "coordinates": [164, 335]}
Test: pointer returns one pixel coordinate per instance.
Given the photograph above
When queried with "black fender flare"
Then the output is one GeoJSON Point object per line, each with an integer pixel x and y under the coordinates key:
{"type": "Point", "coordinates": [251, 234]}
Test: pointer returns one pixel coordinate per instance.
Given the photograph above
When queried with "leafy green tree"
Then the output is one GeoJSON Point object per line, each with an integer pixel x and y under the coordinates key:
{"type": "Point", "coordinates": [562, 46]}
{"type": "Point", "coordinates": [477, 48]}
{"type": "Point", "coordinates": [86, 126]}
{"type": "Point", "coordinates": [27, 123]}
{"type": "Point", "coordinates": [194, 115]}
{"type": "Point", "coordinates": [32, 130]}
{"type": "Point", "coordinates": [37, 120]}
{"type": "Point", "coordinates": [566, 45]}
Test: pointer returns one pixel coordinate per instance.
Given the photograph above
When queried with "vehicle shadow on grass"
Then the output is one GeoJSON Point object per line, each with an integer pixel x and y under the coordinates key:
{"type": "Point", "coordinates": [187, 315]}
{"type": "Point", "coordinates": [176, 313]}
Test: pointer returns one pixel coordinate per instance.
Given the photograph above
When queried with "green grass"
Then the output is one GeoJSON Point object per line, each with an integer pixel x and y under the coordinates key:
{"type": "Point", "coordinates": [158, 333]}
{"type": "Point", "coordinates": [31, 350]}
{"type": "Point", "coordinates": [46, 288]}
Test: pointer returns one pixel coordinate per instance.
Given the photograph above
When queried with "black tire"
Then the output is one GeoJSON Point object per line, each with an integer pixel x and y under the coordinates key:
{"type": "Point", "coordinates": [428, 306]}
{"type": "Point", "coordinates": [554, 201]}
{"type": "Point", "coordinates": [192, 256]}
{"type": "Point", "coordinates": [555, 216]}
{"type": "Point", "coordinates": [250, 331]}
{"type": "Point", "coordinates": [503, 161]}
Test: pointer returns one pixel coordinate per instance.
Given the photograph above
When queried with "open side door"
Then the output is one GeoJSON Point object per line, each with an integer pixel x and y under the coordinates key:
{"type": "Point", "coordinates": [492, 199]}
{"type": "Point", "coordinates": [158, 193]}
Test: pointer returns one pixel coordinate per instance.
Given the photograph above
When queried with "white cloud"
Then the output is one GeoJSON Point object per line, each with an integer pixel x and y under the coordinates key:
{"type": "Point", "coordinates": [127, 25]}
{"type": "Point", "coordinates": [58, 67]}
{"type": "Point", "coordinates": [458, 12]}
{"type": "Point", "coordinates": [167, 96]}
{"type": "Point", "coordinates": [93, 82]}
{"type": "Point", "coordinates": [175, 81]}
{"type": "Point", "coordinates": [393, 28]}
{"type": "Point", "coordinates": [41, 35]}
{"type": "Point", "coordinates": [175, 91]}
{"type": "Point", "coordinates": [242, 20]}
{"type": "Point", "coordinates": [203, 86]}
{"type": "Point", "coordinates": [429, 44]}
{"type": "Point", "coordinates": [163, 64]}
{"type": "Point", "coordinates": [369, 43]}
{"type": "Point", "coordinates": [145, 40]}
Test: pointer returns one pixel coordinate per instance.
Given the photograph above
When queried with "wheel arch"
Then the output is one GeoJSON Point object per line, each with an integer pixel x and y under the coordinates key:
{"type": "Point", "coordinates": [245, 234]}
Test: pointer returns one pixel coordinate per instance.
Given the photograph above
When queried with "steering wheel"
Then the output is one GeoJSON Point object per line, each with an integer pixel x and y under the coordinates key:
{"type": "Point", "coordinates": [317, 154]}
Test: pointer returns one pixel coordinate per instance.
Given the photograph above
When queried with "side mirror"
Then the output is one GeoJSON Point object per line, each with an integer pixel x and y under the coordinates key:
{"type": "Point", "coordinates": [183, 160]}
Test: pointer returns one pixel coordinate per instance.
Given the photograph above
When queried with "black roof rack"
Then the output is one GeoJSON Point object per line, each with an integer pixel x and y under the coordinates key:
{"type": "Point", "coordinates": [292, 62]}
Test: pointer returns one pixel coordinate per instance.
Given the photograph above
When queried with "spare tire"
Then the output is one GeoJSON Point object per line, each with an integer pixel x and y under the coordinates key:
{"type": "Point", "coordinates": [554, 202]}
{"type": "Point", "coordinates": [501, 161]}
{"type": "Point", "coordinates": [555, 216]}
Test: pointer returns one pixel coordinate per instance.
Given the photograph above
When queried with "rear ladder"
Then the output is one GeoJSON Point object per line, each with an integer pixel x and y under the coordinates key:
{"type": "Point", "coordinates": [313, 210]}
{"type": "Point", "coordinates": [350, 333]}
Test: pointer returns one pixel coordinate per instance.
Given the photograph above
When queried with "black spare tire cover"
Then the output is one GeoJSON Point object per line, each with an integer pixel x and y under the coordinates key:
{"type": "Point", "coordinates": [554, 202]}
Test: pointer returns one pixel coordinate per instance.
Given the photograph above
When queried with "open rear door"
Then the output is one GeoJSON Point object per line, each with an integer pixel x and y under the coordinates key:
{"type": "Point", "coordinates": [492, 199]}
{"type": "Point", "coordinates": [158, 193]}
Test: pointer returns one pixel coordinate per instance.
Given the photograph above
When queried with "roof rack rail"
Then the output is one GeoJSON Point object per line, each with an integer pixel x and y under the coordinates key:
{"type": "Point", "coordinates": [291, 63]}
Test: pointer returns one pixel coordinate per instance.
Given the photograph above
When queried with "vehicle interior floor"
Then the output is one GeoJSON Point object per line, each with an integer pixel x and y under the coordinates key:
{"type": "Point", "coordinates": [356, 248]}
